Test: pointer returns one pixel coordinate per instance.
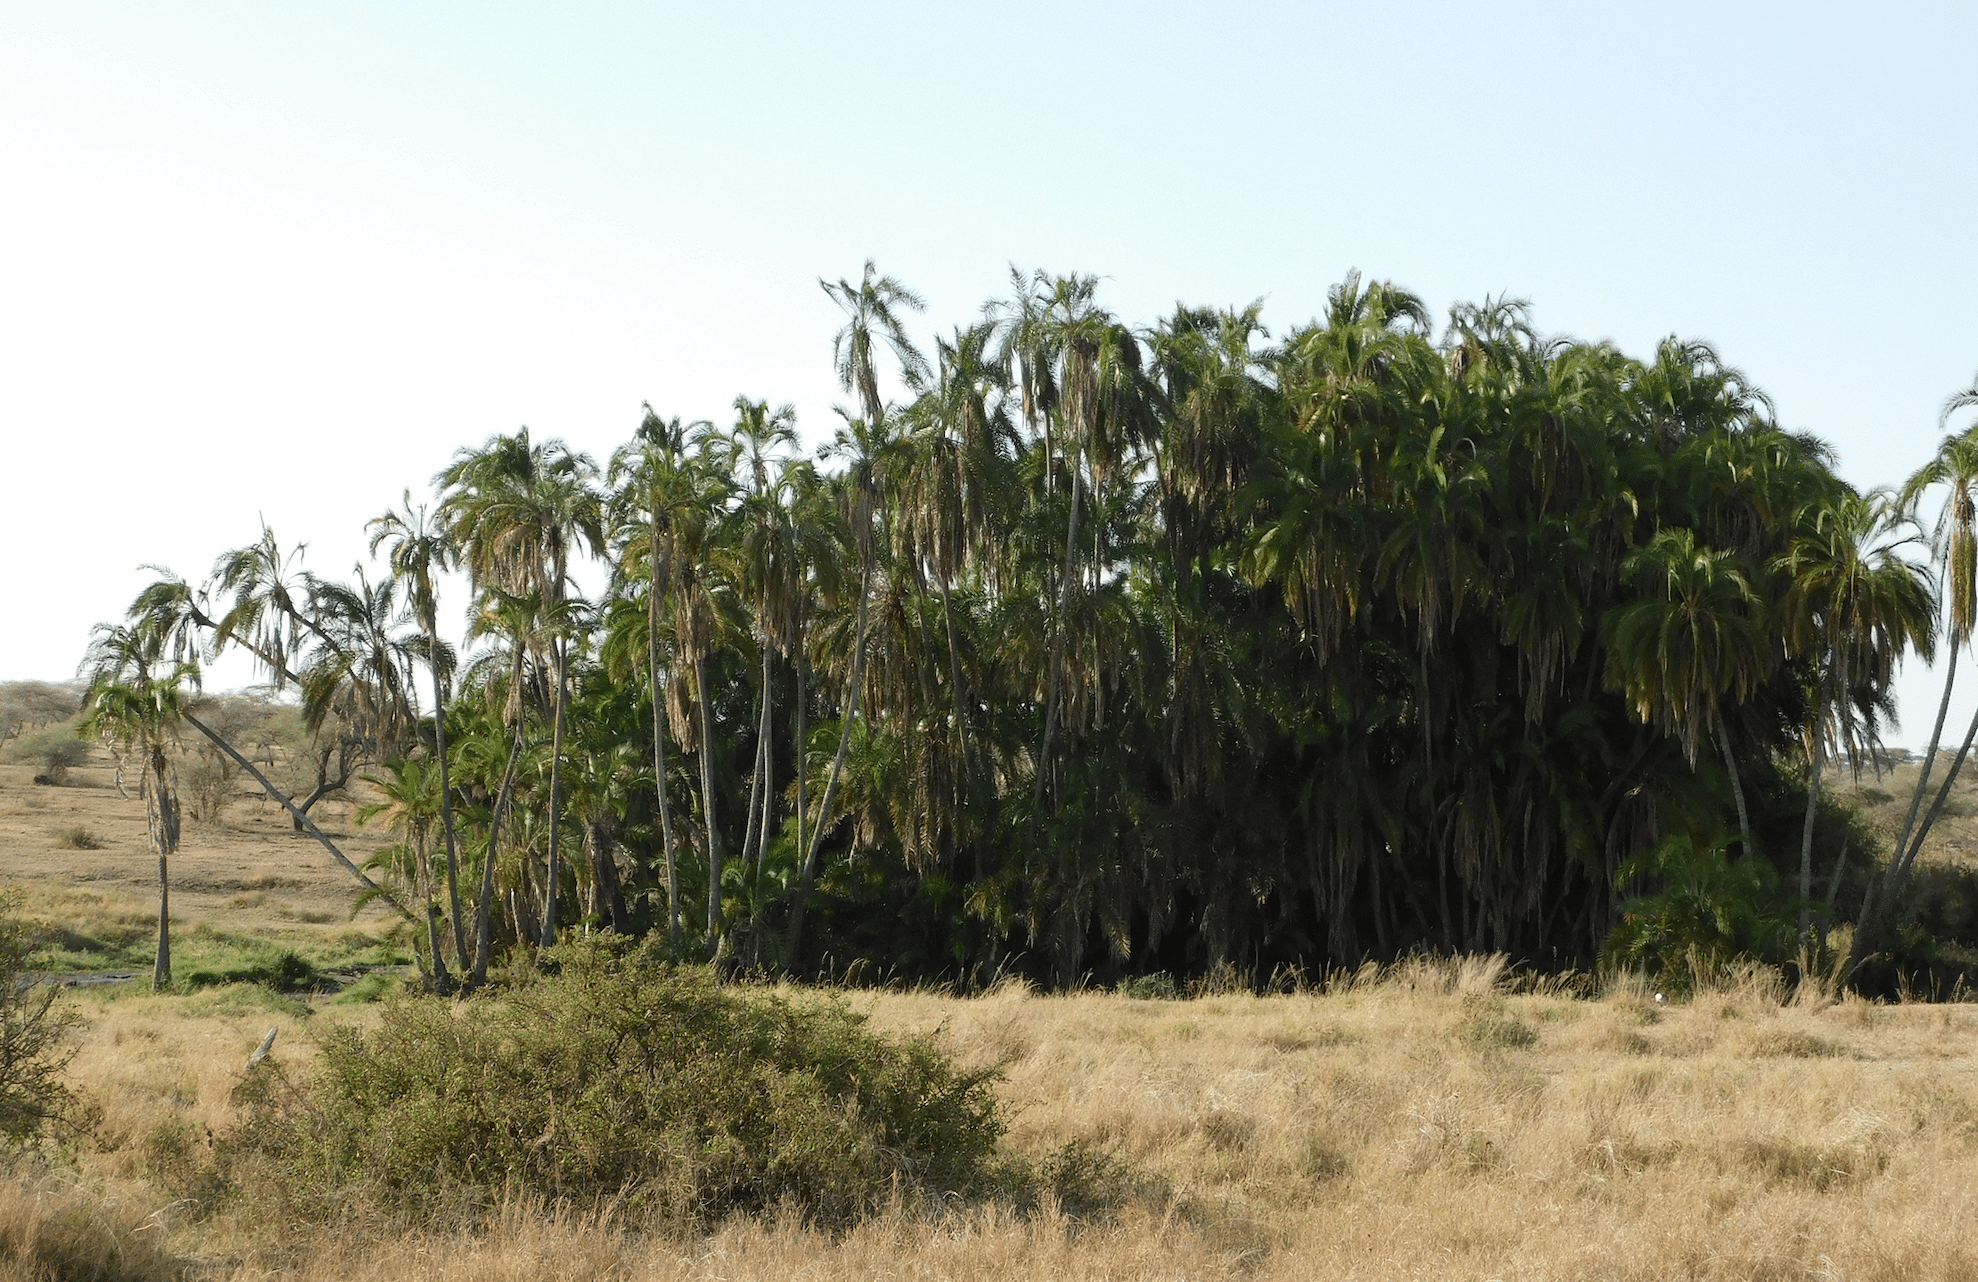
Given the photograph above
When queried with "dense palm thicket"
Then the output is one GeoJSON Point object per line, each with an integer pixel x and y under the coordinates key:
{"type": "Point", "coordinates": [1105, 650]}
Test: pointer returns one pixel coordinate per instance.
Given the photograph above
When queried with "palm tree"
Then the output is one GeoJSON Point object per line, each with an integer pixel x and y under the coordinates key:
{"type": "Point", "coordinates": [1697, 637]}
{"type": "Point", "coordinates": [517, 510]}
{"type": "Point", "coordinates": [1955, 543]}
{"type": "Point", "coordinates": [1855, 605]}
{"type": "Point", "coordinates": [872, 313]}
{"type": "Point", "coordinates": [698, 620]}
{"type": "Point", "coordinates": [653, 484]}
{"type": "Point", "coordinates": [952, 487]}
{"type": "Point", "coordinates": [767, 571]}
{"type": "Point", "coordinates": [270, 609]}
{"type": "Point", "coordinates": [137, 713]}
{"type": "Point", "coordinates": [863, 448]}
{"type": "Point", "coordinates": [409, 803]}
{"type": "Point", "coordinates": [419, 549]}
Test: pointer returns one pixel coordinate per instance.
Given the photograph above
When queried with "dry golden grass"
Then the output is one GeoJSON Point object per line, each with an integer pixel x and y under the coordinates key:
{"type": "Point", "coordinates": [1423, 1123]}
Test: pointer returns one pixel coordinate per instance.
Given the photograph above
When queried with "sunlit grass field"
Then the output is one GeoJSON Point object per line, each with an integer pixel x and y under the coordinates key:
{"type": "Point", "coordinates": [1424, 1121]}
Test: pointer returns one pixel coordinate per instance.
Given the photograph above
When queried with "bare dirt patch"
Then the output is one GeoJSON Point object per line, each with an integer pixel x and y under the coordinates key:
{"type": "Point", "coordinates": [246, 869]}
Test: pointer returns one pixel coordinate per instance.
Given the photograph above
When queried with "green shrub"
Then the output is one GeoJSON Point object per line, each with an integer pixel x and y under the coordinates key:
{"type": "Point", "coordinates": [1705, 907]}
{"type": "Point", "coordinates": [622, 1077]}
{"type": "Point", "coordinates": [53, 751]}
{"type": "Point", "coordinates": [1156, 987]}
{"type": "Point", "coordinates": [37, 1039]}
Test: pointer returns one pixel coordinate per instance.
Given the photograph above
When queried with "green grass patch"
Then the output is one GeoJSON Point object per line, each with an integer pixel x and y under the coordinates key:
{"type": "Point", "coordinates": [205, 955]}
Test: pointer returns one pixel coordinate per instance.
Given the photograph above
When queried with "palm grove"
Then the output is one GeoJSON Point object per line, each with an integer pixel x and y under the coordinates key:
{"type": "Point", "coordinates": [1114, 650]}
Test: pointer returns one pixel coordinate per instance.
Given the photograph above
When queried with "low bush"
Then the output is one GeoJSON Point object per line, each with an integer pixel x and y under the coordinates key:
{"type": "Point", "coordinates": [621, 1078]}
{"type": "Point", "coordinates": [37, 1040]}
{"type": "Point", "coordinates": [77, 837]}
{"type": "Point", "coordinates": [53, 752]}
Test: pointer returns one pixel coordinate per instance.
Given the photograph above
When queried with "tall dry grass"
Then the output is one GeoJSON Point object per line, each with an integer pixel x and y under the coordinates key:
{"type": "Point", "coordinates": [1417, 1122]}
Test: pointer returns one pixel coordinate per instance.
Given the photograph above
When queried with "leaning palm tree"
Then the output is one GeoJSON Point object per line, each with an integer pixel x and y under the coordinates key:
{"type": "Point", "coordinates": [1955, 544]}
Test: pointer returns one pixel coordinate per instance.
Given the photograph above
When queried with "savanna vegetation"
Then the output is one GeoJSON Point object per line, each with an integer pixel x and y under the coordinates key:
{"type": "Point", "coordinates": [1107, 651]}
{"type": "Point", "coordinates": [1435, 1117]}
{"type": "Point", "coordinates": [1156, 738]}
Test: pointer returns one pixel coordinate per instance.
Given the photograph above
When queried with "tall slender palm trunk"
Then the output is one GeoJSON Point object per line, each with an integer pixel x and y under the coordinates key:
{"type": "Point", "coordinates": [162, 818]}
{"type": "Point", "coordinates": [807, 875]}
{"type": "Point", "coordinates": [707, 808]}
{"type": "Point", "coordinates": [1873, 926]}
{"type": "Point", "coordinates": [554, 874]}
{"type": "Point", "coordinates": [1737, 781]}
{"type": "Point", "coordinates": [803, 736]}
{"type": "Point", "coordinates": [484, 909]}
{"type": "Point", "coordinates": [1930, 756]}
{"type": "Point", "coordinates": [446, 798]}
{"type": "Point", "coordinates": [765, 759]}
{"type": "Point", "coordinates": [1058, 643]}
{"type": "Point", "coordinates": [659, 763]}
{"type": "Point", "coordinates": [1817, 756]}
{"type": "Point", "coordinates": [423, 887]}
{"type": "Point", "coordinates": [161, 966]}
{"type": "Point", "coordinates": [1813, 781]}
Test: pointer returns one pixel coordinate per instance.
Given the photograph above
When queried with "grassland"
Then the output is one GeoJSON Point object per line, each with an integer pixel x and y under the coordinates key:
{"type": "Point", "coordinates": [1432, 1120]}
{"type": "Point", "coordinates": [1421, 1122]}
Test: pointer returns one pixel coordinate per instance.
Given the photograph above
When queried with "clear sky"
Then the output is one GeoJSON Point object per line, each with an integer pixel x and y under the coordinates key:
{"type": "Point", "coordinates": [282, 260]}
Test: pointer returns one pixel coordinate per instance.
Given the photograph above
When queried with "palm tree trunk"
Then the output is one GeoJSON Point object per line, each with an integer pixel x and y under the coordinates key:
{"type": "Point", "coordinates": [555, 870]}
{"type": "Point", "coordinates": [749, 819]}
{"type": "Point", "coordinates": [955, 670]}
{"type": "Point", "coordinates": [659, 761]}
{"type": "Point", "coordinates": [1737, 781]}
{"type": "Point", "coordinates": [161, 967]}
{"type": "Point", "coordinates": [1896, 879]}
{"type": "Point", "coordinates": [1058, 643]}
{"type": "Point", "coordinates": [484, 910]}
{"type": "Point", "coordinates": [422, 871]}
{"type": "Point", "coordinates": [302, 820]}
{"type": "Point", "coordinates": [446, 799]}
{"type": "Point", "coordinates": [707, 808]}
{"type": "Point", "coordinates": [803, 736]}
{"type": "Point", "coordinates": [768, 759]}
{"type": "Point", "coordinates": [808, 874]}
{"type": "Point", "coordinates": [1929, 757]}
{"type": "Point", "coordinates": [1806, 834]}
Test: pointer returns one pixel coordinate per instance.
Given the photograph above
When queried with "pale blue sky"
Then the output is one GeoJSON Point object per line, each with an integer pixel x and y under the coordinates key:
{"type": "Point", "coordinates": [284, 259]}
